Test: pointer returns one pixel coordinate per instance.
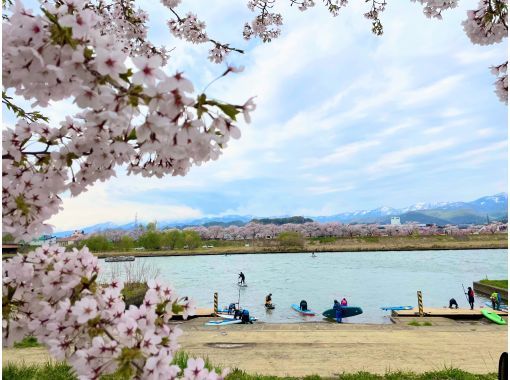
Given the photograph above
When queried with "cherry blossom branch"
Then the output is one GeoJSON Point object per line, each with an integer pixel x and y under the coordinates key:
{"type": "Point", "coordinates": [32, 116]}
{"type": "Point", "coordinates": [191, 29]}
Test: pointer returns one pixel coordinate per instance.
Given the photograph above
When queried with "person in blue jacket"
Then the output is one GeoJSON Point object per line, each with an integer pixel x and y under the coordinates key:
{"type": "Point", "coordinates": [338, 311]}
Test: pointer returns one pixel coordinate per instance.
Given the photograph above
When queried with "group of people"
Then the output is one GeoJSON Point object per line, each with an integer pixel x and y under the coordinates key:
{"type": "Point", "coordinates": [495, 300]}
{"type": "Point", "coordinates": [470, 296]}
{"type": "Point", "coordinates": [337, 306]}
{"type": "Point", "coordinates": [243, 315]}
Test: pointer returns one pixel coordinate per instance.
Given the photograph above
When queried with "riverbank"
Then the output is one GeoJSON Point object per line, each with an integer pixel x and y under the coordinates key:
{"type": "Point", "coordinates": [354, 244]}
{"type": "Point", "coordinates": [329, 349]}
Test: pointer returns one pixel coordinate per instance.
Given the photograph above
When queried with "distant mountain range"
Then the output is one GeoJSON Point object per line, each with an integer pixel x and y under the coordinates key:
{"type": "Point", "coordinates": [493, 207]}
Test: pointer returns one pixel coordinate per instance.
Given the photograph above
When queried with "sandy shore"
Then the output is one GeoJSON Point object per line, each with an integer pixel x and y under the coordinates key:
{"type": "Point", "coordinates": [327, 349]}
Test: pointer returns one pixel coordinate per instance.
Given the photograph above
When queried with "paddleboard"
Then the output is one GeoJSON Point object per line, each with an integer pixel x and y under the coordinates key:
{"type": "Point", "coordinates": [397, 308]}
{"type": "Point", "coordinates": [242, 285]}
{"type": "Point", "coordinates": [347, 311]}
{"type": "Point", "coordinates": [493, 317]}
{"type": "Point", "coordinates": [270, 307]}
{"type": "Point", "coordinates": [223, 322]}
{"type": "Point", "coordinates": [501, 307]}
{"type": "Point", "coordinates": [305, 312]}
{"type": "Point", "coordinates": [231, 316]}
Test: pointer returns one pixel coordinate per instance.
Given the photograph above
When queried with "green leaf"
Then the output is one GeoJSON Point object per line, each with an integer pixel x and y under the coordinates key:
{"type": "Point", "coordinates": [229, 110]}
{"type": "Point", "coordinates": [88, 53]}
{"type": "Point", "coordinates": [132, 135]}
{"type": "Point", "coordinates": [133, 100]}
{"type": "Point", "coordinates": [176, 308]}
{"type": "Point", "coordinates": [70, 157]}
{"type": "Point", "coordinates": [125, 76]}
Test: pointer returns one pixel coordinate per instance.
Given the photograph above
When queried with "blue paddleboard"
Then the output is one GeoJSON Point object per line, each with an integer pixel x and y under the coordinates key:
{"type": "Point", "coordinates": [397, 308]}
{"type": "Point", "coordinates": [305, 312]}
{"type": "Point", "coordinates": [225, 322]}
{"type": "Point", "coordinates": [501, 307]}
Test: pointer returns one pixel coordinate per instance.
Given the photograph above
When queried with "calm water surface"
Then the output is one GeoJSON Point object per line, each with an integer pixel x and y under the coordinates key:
{"type": "Point", "coordinates": [367, 279]}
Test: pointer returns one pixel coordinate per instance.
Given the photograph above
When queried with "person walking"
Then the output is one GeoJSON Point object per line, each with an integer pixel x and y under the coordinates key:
{"type": "Point", "coordinates": [338, 311]}
{"type": "Point", "coordinates": [471, 297]}
{"type": "Point", "coordinates": [343, 302]}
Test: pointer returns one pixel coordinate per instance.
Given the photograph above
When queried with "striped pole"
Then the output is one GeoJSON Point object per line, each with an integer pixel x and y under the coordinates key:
{"type": "Point", "coordinates": [215, 303]}
{"type": "Point", "coordinates": [420, 304]}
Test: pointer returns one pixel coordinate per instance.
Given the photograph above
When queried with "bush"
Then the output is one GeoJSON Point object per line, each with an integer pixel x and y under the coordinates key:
{"type": "Point", "coordinates": [134, 293]}
{"type": "Point", "coordinates": [97, 243]}
{"type": "Point", "coordinates": [28, 341]}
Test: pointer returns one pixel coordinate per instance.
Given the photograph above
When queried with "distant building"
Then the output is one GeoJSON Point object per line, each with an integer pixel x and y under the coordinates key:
{"type": "Point", "coordinates": [44, 240]}
{"type": "Point", "coordinates": [70, 240]}
{"type": "Point", "coordinates": [395, 221]}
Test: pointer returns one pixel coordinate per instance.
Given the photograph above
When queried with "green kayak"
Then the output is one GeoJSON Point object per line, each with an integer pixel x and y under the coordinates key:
{"type": "Point", "coordinates": [493, 317]}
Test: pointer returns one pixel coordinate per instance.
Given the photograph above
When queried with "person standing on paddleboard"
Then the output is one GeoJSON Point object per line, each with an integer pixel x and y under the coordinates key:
{"type": "Point", "coordinates": [471, 297]}
{"type": "Point", "coordinates": [241, 278]}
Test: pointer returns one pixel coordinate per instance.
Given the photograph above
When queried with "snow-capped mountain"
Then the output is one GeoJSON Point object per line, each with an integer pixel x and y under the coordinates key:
{"type": "Point", "coordinates": [494, 207]}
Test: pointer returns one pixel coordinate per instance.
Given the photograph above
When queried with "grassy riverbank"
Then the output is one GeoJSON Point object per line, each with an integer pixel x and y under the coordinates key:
{"type": "Point", "coordinates": [354, 244]}
{"type": "Point", "coordinates": [503, 284]}
{"type": "Point", "coordinates": [61, 371]}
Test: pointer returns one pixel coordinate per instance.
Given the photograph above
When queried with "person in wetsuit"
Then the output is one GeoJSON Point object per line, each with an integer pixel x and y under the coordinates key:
{"type": "Point", "coordinates": [241, 278]}
{"type": "Point", "coordinates": [338, 311]}
{"type": "Point", "coordinates": [303, 305]}
{"type": "Point", "coordinates": [453, 303]}
{"type": "Point", "coordinates": [269, 300]}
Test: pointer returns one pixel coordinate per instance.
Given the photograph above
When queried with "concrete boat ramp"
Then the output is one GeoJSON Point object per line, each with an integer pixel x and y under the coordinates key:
{"type": "Point", "coordinates": [445, 313]}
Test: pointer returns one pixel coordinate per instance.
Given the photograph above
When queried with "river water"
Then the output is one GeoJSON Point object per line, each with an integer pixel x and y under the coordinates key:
{"type": "Point", "coordinates": [367, 279]}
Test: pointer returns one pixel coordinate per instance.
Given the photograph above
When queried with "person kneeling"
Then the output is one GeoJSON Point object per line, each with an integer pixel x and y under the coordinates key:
{"type": "Point", "coordinates": [245, 317]}
{"type": "Point", "coordinates": [453, 303]}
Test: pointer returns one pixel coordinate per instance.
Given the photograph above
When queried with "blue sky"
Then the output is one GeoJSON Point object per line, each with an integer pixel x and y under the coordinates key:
{"type": "Point", "coordinates": [345, 120]}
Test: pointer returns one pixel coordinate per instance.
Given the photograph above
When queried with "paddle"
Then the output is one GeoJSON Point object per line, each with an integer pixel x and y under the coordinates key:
{"type": "Point", "coordinates": [464, 289]}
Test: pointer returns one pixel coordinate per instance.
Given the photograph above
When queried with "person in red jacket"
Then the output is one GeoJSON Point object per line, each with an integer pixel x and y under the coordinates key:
{"type": "Point", "coordinates": [343, 302]}
{"type": "Point", "coordinates": [471, 297]}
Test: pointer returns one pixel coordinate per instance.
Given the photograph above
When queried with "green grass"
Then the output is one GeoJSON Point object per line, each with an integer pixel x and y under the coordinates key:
{"type": "Point", "coordinates": [414, 322]}
{"type": "Point", "coordinates": [48, 371]}
{"type": "Point", "coordinates": [61, 371]}
{"type": "Point", "coordinates": [498, 283]}
{"type": "Point", "coordinates": [181, 359]}
{"type": "Point", "coordinates": [445, 374]}
{"type": "Point", "coordinates": [27, 342]}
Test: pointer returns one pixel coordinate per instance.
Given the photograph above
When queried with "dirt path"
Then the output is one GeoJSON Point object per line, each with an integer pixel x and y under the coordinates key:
{"type": "Point", "coordinates": [327, 349]}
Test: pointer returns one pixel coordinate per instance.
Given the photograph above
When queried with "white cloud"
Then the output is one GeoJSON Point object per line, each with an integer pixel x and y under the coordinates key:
{"type": "Point", "coordinates": [432, 92]}
{"type": "Point", "coordinates": [98, 205]}
{"type": "Point", "coordinates": [342, 153]}
{"type": "Point", "coordinates": [402, 158]}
